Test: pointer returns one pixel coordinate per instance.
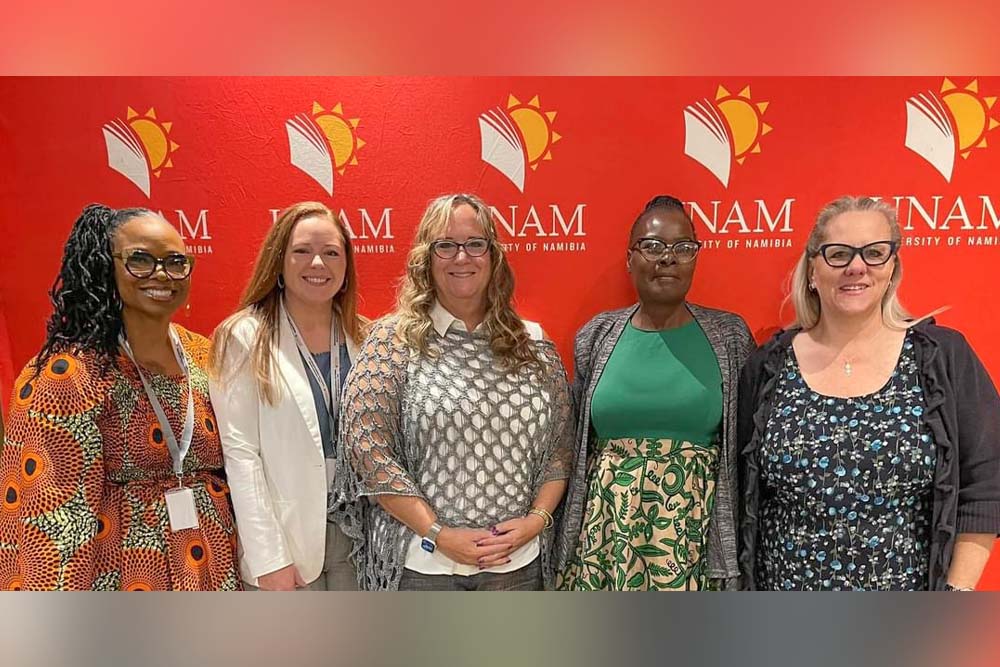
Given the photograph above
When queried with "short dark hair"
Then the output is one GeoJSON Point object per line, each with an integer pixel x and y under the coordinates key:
{"type": "Point", "coordinates": [658, 202]}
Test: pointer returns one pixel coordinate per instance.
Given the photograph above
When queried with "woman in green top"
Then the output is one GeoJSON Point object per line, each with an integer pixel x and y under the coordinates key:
{"type": "Point", "coordinates": [652, 506]}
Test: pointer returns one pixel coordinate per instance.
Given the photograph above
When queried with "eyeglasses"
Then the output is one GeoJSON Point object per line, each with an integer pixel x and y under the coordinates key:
{"type": "Point", "coordinates": [654, 249]}
{"type": "Point", "coordinates": [839, 255]}
{"type": "Point", "coordinates": [141, 264]}
{"type": "Point", "coordinates": [474, 247]}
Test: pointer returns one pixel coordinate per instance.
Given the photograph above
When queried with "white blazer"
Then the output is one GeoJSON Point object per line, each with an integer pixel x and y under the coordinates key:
{"type": "Point", "coordinates": [274, 458]}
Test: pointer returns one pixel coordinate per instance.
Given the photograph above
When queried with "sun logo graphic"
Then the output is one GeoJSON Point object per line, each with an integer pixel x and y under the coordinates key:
{"type": "Point", "coordinates": [517, 137]}
{"type": "Point", "coordinates": [953, 120]}
{"type": "Point", "coordinates": [323, 142]}
{"type": "Point", "coordinates": [139, 146]}
{"type": "Point", "coordinates": [718, 133]}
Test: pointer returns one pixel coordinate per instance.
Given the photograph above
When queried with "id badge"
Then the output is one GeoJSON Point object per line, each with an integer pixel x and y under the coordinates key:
{"type": "Point", "coordinates": [181, 509]}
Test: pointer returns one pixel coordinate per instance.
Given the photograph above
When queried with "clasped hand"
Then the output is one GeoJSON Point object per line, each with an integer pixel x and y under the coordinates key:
{"type": "Point", "coordinates": [489, 548]}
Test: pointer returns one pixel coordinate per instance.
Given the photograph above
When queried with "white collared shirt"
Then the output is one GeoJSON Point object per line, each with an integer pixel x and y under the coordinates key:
{"type": "Point", "coordinates": [423, 562]}
{"type": "Point", "coordinates": [442, 319]}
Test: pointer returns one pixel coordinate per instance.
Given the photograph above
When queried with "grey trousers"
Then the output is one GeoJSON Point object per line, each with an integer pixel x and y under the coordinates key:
{"type": "Point", "coordinates": [338, 572]}
{"type": "Point", "coordinates": [527, 578]}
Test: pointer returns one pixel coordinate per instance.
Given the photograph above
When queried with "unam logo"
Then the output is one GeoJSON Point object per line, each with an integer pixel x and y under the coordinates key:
{"type": "Point", "coordinates": [323, 142]}
{"type": "Point", "coordinates": [516, 138]}
{"type": "Point", "coordinates": [954, 120]}
{"type": "Point", "coordinates": [718, 133]}
{"type": "Point", "coordinates": [139, 146]}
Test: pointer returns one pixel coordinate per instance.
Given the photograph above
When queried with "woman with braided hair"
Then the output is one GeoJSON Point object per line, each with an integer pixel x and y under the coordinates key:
{"type": "Point", "coordinates": [652, 503]}
{"type": "Point", "coordinates": [111, 474]}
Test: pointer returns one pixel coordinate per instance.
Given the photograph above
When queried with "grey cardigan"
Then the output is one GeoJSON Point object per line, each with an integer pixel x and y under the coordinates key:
{"type": "Point", "coordinates": [732, 343]}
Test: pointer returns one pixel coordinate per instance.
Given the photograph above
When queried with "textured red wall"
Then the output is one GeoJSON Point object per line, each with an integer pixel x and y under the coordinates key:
{"type": "Point", "coordinates": [218, 158]}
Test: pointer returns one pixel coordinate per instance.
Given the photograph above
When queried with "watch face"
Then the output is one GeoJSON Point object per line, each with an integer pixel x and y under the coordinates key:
{"type": "Point", "coordinates": [427, 545]}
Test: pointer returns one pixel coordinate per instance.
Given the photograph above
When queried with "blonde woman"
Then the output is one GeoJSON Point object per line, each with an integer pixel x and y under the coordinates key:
{"type": "Point", "coordinates": [870, 440]}
{"type": "Point", "coordinates": [457, 424]}
{"type": "Point", "coordinates": [278, 365]}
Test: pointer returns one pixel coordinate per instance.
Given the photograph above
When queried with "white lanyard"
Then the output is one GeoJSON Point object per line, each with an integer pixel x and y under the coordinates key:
{"type": "Point", "coordinates": [177, 450]}
{"type": "Point", "coordinates": [331, 392]}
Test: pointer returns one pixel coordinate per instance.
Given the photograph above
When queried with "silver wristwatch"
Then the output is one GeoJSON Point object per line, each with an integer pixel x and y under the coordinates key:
{"type": "Point", "coordinates": [429, 541]}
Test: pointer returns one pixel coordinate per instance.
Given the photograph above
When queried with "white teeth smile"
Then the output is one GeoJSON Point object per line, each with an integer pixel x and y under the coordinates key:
{"type": "Point", "coordinates": [159, 294]}
{"type": "Point", "coordinates": [854, 288]}
{"type": "Point", "coordinates": [315, 281]}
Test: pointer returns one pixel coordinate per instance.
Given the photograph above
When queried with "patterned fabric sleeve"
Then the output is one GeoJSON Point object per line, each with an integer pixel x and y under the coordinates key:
{"type": "Point", "coordinates": [560, 463]}
{"type": "Point", "coordinates": [372, 423]}
{"type": "Point", "coordinates": [52, 477]}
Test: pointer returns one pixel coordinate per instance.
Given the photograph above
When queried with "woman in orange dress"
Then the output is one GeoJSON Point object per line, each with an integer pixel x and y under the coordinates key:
{"type": "Point", "coordinates": [111, 420]}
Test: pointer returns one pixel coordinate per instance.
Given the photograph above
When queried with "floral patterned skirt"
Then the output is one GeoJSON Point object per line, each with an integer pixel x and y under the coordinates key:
{"type": "Point", "coordinates": [646, 521]}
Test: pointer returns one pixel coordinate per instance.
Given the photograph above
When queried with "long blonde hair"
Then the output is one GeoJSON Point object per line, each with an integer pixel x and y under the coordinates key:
{"type": "Point", "coordinates": [806, 302]}
{"type": "Point", "coordinates": [262, 298]}
{"type": "Point", "coordinates": [509, 340]}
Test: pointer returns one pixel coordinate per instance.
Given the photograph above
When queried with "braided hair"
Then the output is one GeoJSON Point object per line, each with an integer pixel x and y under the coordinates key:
{"type": "Point", "coordinates": [85, 300]}
{"type": "Point", "coordinates": [661, 201]}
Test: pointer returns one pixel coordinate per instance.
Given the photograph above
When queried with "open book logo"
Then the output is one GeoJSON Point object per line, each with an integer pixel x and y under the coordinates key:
{"type": "Point", "coordinates": [139, 146]}
{"type": "Point", "coordinates": [726, 130]}
{"type": "Point", "coordinates": [517, 137]}
{"type": "Point", "coordinates": [953, 120]}
{"type": "Point", "coordinates": [322, 142]}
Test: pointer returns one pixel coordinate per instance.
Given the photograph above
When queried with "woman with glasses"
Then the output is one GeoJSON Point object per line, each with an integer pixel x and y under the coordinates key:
{"type": "Point", "coordinates": [278, 365]}
{"type": "Point", "coordinates": [652, 507]}
{"type": "Point", "coordinates": [870, 441]}
{"type": "Point", "coordinates": [457, 426]}
{"type": "Point", "coordinates": [111, 476]}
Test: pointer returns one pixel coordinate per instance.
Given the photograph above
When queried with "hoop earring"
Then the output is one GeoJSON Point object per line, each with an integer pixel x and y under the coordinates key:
{"type": "Point", "coordinates": [281, 281]}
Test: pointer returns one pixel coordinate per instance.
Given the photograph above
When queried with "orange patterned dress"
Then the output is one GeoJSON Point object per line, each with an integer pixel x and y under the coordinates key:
{"type": "Point", "coordinates": [83, 474]}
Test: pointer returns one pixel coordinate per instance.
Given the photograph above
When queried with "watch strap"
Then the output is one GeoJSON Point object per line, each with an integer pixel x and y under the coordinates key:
{"type": "Point", "coordinates": [433, 532]}
{"type": "Point", "coordinates": [429, 541]}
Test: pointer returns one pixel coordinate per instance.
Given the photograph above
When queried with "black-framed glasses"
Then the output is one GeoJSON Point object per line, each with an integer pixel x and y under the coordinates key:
{"type": "Point", "coordinates": [141, 264]}
{"type": "Point", "coordinates": [839, 255]}
{"type": "Point", "coordinates": [448, 249]}
{"type": "Point", "coordinates": [654, 249]}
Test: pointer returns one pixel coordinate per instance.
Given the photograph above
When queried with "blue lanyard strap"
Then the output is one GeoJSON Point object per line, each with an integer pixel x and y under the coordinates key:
{"type": "Point", "coordinates": [331, 391]}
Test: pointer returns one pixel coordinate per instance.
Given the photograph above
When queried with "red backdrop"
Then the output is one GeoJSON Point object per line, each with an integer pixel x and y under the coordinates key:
{"type": "Point", "coordinates": [567, 162]}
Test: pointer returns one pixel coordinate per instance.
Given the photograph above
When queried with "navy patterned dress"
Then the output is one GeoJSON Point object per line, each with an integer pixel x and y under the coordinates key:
{"type": "Point", "coordinates": [847, 486]}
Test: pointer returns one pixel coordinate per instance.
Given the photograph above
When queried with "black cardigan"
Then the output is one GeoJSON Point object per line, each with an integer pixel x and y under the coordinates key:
{"type": "Point", "coordinates": [962, 413]}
